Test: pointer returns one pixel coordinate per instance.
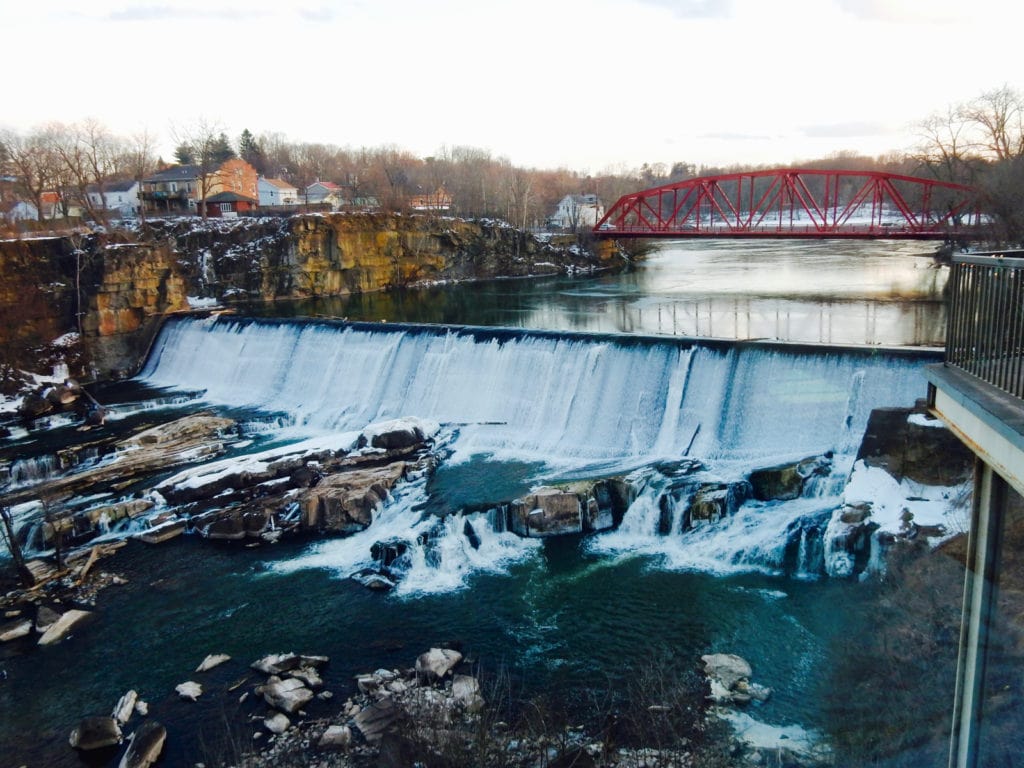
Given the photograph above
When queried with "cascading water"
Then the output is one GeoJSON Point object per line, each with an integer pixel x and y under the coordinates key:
{"type": "Point", "coordinates": [578, 406]}
{"type": "Point", "coordinates": [568, 401]}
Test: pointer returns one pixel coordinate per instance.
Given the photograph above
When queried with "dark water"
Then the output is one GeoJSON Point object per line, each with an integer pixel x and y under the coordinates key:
{"type": "Point", "coordinates": [563, 621]}
{"type": "Point", "coordinates": [838, 292]}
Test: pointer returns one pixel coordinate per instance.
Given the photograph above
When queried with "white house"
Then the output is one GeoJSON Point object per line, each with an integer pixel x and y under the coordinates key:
{"type": "Point", "coordinates": [277, 192]}
{"type": "Point", "coordinates": [20, 211]}
{"type": "Point", "coordinates": [576, 211]}
{"type": "Point", "coordinates": [319, 191]}
{"type": "Point", "coordinates": [120, 196]}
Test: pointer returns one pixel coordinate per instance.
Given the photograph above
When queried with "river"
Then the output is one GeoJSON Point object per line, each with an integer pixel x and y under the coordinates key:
{"type": "Point", "coordinates": [570, 618]}
{"type": "Point", "coordinates": [830, 291]}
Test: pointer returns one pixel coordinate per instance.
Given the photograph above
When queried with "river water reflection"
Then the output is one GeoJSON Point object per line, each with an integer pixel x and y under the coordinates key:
{"type": "Point", "coordinates": [832, 291]}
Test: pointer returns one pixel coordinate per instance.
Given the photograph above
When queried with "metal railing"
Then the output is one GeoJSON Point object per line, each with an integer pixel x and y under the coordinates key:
{"type": "Point", "coordinates": [985, 336]}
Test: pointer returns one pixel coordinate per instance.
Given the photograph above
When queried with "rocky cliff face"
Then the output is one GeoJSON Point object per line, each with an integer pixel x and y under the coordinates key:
{"type": "Point", "coordinates": [122, 284]}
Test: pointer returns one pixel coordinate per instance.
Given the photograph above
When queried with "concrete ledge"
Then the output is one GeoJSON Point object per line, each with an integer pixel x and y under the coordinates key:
{"type": "Point", "coordinates": [990, 422]}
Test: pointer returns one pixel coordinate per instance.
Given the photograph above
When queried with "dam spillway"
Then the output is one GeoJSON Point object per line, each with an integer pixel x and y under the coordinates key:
{"type": "Point", "coordinates": [571, 401]}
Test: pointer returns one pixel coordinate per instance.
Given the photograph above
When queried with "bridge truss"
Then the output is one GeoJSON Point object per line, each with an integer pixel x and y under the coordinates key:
{"type": "Point", "coordinates": [799, 204]}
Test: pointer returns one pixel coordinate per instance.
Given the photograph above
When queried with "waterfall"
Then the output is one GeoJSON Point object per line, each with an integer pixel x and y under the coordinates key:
{"type": "Point", "coordinates": [577, 405]}
{"type": "Point", "coordinates": [571, 401]}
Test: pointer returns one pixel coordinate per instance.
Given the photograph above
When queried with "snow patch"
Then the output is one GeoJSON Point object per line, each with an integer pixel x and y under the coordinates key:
{"type": "Point", "coordinates": [889, 499]}
{"type": "Point", "coordinates": [924, 420]}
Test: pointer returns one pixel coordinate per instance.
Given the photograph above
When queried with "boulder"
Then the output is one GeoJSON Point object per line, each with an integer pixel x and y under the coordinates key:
{"type": "Point", "coordinates": [309, 676]}
{"type": "Point", "coordinates": [226, 527]}
{"type": "Point", "coordinates": [727, 668]}
{"type": "Point", "coordinates": [46, 617]}
{"type": "Point", "coordinates": [344, 503]}
{"type": "Point", "coordinates": [211, 661]}
{"type": "Point", "coordinates": [784, 482]}
{"type": "Point", "coordinates": [34, 405]}
{"type": "Point", "coordinates": [59, 629]}
{"type": "Point", "coordinates": [436, 663]}
{"type": "Point", "coordinates": [277, 663]}
{"type": "Point", "coordinates": [95, 733]}
{"type": "Point", "coordinates": [125, 707]}
{"type": "Point", "coordinates": [466, 693]}
{"type": "Point", "coordinates": [729, 677]}
{"type": "Point", "coordinates": [909, 443]}
{"type": "Point", "coordinates": [277, 723]}
{"type": "Point", "coordinates": [709, 505]}
{"type": "Point", "coordinates": [190, 691]}
{"type": "Point", "coordinates": [146, 745]}
{"type": "Point", "coordinates": [12, 630]}
{"type": "Point", "coordinates": [336, 737]}
{"type": "Point", "coordinates": [392, 435]}
{"type": "Point", "coordinates": [287, 695]}
{"type": "Point", "coordinates": [374, 720]}
{"type": "Point", "coordinates": [546, 512]}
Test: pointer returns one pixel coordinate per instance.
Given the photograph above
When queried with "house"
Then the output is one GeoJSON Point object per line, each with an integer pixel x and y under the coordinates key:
{"type": "Point", "coordinates": [576, 211]}
{"type": "Point", "coordinates": [120, 196]}
{"type": "Point", "coordinates": [234, 175]}
{"type": "Point", "coordinates": [438, 200]}
{"type": "Point", "coordinates": [172, 190]}
{"type": "Point", "coordinates": [178, 189]}
{"type": "Point", "coordinates": [227, 204]}
{"type": "Point", "coordinates": [18, 210]}
{"type": "Point", "coordinates": [319, 191]}
{"type": "Point", "coordinates": [277, 192]}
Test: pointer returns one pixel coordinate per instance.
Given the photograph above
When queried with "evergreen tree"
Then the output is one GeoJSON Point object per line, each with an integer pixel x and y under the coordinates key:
{"type": "Point", "coordinates": [185, 154]}
{"type": "Point", "coordinates": [249, 150]}
{"type": "Point", "coordinates": [221, 149]}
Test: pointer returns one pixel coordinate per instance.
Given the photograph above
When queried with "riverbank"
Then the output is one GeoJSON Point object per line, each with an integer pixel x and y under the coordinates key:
{"type": "Point", "coordinates": [109, 290]}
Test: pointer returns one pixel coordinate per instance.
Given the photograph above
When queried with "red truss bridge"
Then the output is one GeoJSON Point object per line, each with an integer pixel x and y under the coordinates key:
{"type": "Point", "coordinates": [799, 204]}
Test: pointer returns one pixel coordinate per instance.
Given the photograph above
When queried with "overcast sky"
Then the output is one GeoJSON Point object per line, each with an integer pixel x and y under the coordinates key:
{"type": "Point", "coordinates": [583, 84]}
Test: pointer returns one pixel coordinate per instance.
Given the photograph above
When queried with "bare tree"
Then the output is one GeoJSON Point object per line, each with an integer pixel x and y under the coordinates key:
{"type": "Point", "coordinates": [982, 143]}
{"type": "Point", "coordinates": [204, 139]}
{"type": "Point", "coordinates": [998, 118]}
{"type": "Point", "coordinates": [89, 154]}
{"type": "Point", "coordinates": [138, 161]}
{"type": "Point", "coordinates": [944, 149]}
{"type": "Point", "coordinates": [33, 162]}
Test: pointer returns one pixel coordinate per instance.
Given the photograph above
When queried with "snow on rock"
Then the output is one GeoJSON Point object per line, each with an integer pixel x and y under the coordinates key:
{"type": "Point", "coordinates": [257, 463]}
{"type": "Point", "coordinates": [891, 499]}
{"type": "Point", "coordinates": [877, 510]}
{"type": "Point", "coordinates": [924, 420]}
{"type": "Point", "coordinates": [398, 433]}
{"type": "Point", "coordinates": [189, 690]}
{"type": "Point", "coordinates": [793, 738]}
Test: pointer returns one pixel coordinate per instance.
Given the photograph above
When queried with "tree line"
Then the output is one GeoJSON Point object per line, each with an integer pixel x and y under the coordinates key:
{"type": "Point", "coordinates": [980, 143]}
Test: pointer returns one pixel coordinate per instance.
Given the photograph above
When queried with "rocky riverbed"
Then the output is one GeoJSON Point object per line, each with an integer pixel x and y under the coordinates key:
{"type": "Point", "coordinates": [186, 475]}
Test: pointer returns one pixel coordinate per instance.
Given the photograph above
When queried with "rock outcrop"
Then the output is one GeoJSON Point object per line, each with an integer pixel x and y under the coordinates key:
{"type": "Point", "coordinates": [908, 481]}
{"type": "Point", "coordinates": [95, 732]}
{"type": "Point", "coordinates": [786, 481]}
{"type": "Point", "coordinates": [729, 678]}
{"type": "Point", "coordinates": [129, 280]}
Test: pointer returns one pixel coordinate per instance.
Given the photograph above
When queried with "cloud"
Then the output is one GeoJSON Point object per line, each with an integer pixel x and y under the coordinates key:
{"type": "Point", "coordinates": [175, 13]}
{"type": "Point", "coordinates": [321, 14]}
{"type": "Point", "coordinates": [906, 11]}
{"type": "Point", "coordinates": [844, 130]}
{"type": "Point", "coordinates": [731, 136]}
{"type": "Point", "coordinates": [695, 9]}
